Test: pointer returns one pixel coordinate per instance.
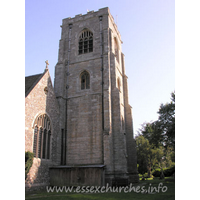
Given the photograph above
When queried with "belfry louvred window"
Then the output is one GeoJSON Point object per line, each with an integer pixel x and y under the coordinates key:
{"type": "Point", "coordinates": [86, 42]}
{"type": "Point", "coordinates": [42, 137]}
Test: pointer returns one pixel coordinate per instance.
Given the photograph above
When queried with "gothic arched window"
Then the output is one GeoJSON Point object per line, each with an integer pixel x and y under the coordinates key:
{"type": "Point", "coordinates": [42, 137]}
{"type": "Point", "coordinates": [85, 42]}
{"type": "Point", "coordinates": [85, 80]}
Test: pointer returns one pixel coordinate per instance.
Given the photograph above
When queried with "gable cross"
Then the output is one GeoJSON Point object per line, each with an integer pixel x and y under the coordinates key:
{"type": "Point", "coordinates": [47, 63]}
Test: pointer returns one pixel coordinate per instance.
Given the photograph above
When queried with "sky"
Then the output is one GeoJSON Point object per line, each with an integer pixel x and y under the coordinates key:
{"type": "Point", "coordinates": [147, 29]}
{"type": "Point", "coordinates": [31, 34]}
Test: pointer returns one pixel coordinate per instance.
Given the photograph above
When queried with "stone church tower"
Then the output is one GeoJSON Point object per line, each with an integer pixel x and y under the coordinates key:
{"type": "Point", "coordinates": [95, 116]}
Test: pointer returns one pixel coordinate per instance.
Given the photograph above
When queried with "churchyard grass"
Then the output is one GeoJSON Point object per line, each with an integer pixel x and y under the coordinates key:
{"type": "Point", "coordinates": [169, 183]}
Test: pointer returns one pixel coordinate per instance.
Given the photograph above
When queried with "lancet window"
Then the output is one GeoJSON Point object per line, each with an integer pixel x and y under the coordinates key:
{"type": "Point", "coordinates": [85, 80]}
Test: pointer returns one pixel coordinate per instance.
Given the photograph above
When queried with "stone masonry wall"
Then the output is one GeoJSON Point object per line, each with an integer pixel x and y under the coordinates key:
{"type": "Point", "coordinates": [36, 103]}
{"type": "Point", "coordinates": [84, 107]}
{"type": "Point", "coordinates": [87, 143]}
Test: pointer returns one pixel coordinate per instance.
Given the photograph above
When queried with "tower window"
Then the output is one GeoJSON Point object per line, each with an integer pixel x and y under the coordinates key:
{"type": "Point", "coordinates": [85, 80]}
{"type": "Point", "coordinates": [119, 84]}
{"type": "Point", "coordinates": [42, 137]}
{"type": "Point", "coordinates": [116, 49]}
{"type": "Point", "coordinates": [86, 42]}
{"type": "Point", "coordinates": [122, 124]}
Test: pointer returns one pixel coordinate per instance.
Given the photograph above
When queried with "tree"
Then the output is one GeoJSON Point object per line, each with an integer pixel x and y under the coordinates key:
{"type": "Point", "coordinates": [153, 133]}
{"type": "Point", "coordinates": [156, 140]}
{"type": "Point", "coordinates": [162, 131]}
{"type": "Point", "coordinates": [143, 152]}
{"type": "Point", "coordinates": [148, 156]}
{"type": "Point", "coordinates": [169, 156]}
{"type": "Point", "coordinates": [166, 121]}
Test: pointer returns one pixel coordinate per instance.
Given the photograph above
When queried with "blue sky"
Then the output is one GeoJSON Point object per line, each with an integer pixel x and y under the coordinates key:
{"type": "Point", "coordinates": [147, 29]}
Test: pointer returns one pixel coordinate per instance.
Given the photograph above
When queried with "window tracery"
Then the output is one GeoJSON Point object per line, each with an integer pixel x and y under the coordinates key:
{"type": "Point", "coordinates": [42, 137]}
{"type": "Point", "coordinates": [86, 42]}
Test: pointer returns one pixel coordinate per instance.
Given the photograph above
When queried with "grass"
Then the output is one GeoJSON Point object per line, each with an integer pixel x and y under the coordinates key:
{"type": "Point", "coordinates": [168, 183]}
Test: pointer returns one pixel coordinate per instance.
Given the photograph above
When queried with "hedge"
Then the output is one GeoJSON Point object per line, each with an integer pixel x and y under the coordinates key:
{"type": "Point", "coordinates": [28, 162]}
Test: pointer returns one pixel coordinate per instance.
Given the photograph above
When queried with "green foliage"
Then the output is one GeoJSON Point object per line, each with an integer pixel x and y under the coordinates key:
{"type": "Point", "coordinates": [143, 152]}
{"type": "Point", "coordinates": [153, 133]}
{"type": "Point", "coordinates": [162, 132]}
{"type": "Point", "coordinates": [167, 172]}
{"type": "Point", "coordinates": [28, 162]}
{"type": "Point", "coordinates": [166, 121]}
{"type": "Point", "coordinates": [140, 175]}
{"type": "Point", "coordinates": [169, 156]}
{"type": "Point", "coordinates": [156, 141]}
{"type": "Point", "coordinates": [148, 157]}
{"type": "Point", "coordinates": [156, 173]}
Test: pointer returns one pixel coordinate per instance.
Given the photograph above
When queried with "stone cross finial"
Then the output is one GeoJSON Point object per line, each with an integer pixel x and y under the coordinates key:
{"type": "Point", "coordinates": [47, 63]}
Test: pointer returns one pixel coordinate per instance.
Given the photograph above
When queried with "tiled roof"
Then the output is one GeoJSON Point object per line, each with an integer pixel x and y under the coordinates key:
{"type": "Point", "coordinates": [31, 81]}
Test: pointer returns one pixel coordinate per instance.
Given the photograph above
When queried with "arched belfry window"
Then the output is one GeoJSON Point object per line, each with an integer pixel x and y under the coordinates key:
{"type": "Point", "coordinates": [42, 137]}
{"type": "Point", "coordinates": [85, 42]}
{"type": "Point", "coordinates": [85, 80]}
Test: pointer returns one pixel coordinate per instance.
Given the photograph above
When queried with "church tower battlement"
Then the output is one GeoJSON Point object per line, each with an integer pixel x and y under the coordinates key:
{"type": "Point", "coordinates": [91, 88]}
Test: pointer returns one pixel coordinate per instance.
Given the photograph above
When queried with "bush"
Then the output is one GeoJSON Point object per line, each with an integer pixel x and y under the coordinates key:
{"type": "Point", "coordinates": [156, 173]}
{"type": "Point", "coordinates": [167, 172]}
{"type": "Point", "coordinates": [28, 162]}
{"type": "Point", "coordinates": [144, 176]}
{"type": "Point", "coordinates": [140, 175]}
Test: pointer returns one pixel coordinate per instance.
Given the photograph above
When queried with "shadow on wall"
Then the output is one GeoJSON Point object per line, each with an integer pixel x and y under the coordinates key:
{"type": "Point", "coordinates": [38, 175]}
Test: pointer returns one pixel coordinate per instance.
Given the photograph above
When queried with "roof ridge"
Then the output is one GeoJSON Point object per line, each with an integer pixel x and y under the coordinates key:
{"type": "Point", "coordinates": [33, 75]}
